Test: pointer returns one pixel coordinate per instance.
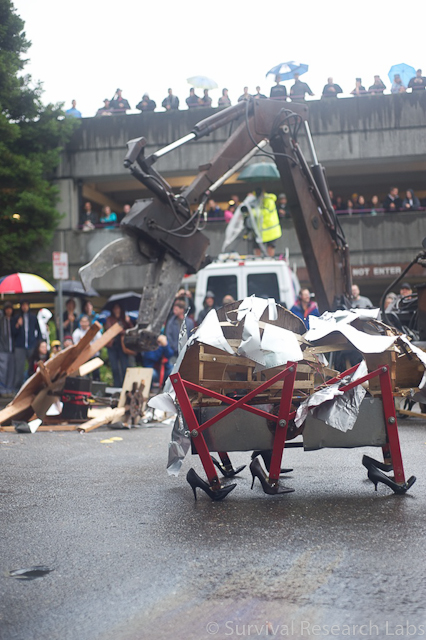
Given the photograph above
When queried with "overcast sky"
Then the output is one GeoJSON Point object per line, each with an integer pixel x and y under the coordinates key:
{"type": "Point", "coordinates": [85, 49]}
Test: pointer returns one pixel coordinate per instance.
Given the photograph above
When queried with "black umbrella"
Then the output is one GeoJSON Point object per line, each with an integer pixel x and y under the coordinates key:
{"type": "Point", "coordinates": [75, 288]}
{"type": "Point", "coordinates": [128, 300]}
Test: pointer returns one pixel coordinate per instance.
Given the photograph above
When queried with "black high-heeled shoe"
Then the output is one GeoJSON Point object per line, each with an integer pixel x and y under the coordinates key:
{"type": "Point", "coordinates": [267, 457]}
{"type": "Point", "coordinates": [376, 476]}
{"type": "Point", "coordinates": [215, 494]}
{"type": "Point", "coordinates": [270, 489]}
{"type": "Point", "coordinates": [227, 473]}
{"type": "Point", "coordinates": [371, 462]}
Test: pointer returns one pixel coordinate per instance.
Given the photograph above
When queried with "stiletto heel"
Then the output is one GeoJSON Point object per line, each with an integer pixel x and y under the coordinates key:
{"type": "Point", "coordinates": [215, 494]}
{"type": "Point", "coordinates": [267, 456]}
{"type": "Point", "coordinates": [370, 462]}
{"type": "Point", "coordinates": [270, 489]}
{"type": "Point", "coordinates": [376, 476]}
{"type": "Point", "coordinates": [227, 473]}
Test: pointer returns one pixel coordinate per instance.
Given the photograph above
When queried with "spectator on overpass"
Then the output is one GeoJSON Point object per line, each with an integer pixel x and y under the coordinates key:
{"type": "Point", "coordinates": [105, 110]}
{"type": "Point", "coordinates": [299, 89]}
{"type": "Point", "coordinates": [118, 103]}
{"type": "Point", "coordinates": [206, 101]}
{"type": "Point", "coordinates": [374, 205]}
{"type": "Point", "coordinates": [73, 112]}
{"type": "Point", "coordinates": [192, 100]}
{"type": "Point", "coordinates": [331, 89]}
{"type": "Point", "coordinates": [146, 104]}
{"type": "Point", "coordinates": [359, 301]}
{"type": "Point", "coordinates": [397, 85]}
{"type": "Point", "coordinates": [258, 95]}
{"type": "Point", "coordinates": [170, 102]}
{"type": "Point", "coordinates": [418, 83]}
{"type": "Point", "coordinates": [109, 219]}
{"type": "Point", "coordinates": [377, 87]}
{"type": "Point", "coordinates": [224, 100]}
{"type": "Point", "coordinates": [359, 89]}
{"type": "Point", "coordinates": [88, 218]}
{"type": "Point", "coordinates": [278, 91]}
{"type": "Point", "coordinates": [245, 95]}
{"type": "Point", "coordinates": [214, 212]}
{"type": "Point", "coordinates": [392, 203]}
{"type": "Point", "coordinates": [411, 201]}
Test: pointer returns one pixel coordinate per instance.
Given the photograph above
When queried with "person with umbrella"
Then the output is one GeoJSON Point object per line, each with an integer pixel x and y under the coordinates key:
{"type": "Point", "coordinates": [397, 85]}
{"type": "Point", "coordinates": [192, 100]}
{"type": "Point", "coordinates": [278, 91]}
{"type": "Point", "coordinates": [69, 318]}
{"type": "Point", "coordinates": [299, 89]}
{"type": "Point", "coordinates": [7, 364]}
{"type": "Point", "coordinates": [206, 101]}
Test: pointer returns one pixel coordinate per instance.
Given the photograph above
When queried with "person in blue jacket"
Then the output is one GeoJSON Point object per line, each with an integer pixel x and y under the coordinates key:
{"type": "Point", "coordinates": [154, 358]}
{"type": "Point", "coordinates": [305, 307]}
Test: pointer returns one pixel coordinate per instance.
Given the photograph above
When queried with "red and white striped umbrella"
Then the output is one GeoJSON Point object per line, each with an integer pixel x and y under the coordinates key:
{"type": "Point", "coordinates": [24, 283]}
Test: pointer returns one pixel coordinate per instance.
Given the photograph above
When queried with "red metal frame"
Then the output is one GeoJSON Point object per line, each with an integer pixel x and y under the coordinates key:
{"type": "Point", "coordinates": [391, 451]}
{"type": "Point", "coordinates": [288, 375]}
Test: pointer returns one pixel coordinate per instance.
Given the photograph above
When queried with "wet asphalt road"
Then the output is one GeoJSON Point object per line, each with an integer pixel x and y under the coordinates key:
{"type": "Point", "coordinates": [134, 557]}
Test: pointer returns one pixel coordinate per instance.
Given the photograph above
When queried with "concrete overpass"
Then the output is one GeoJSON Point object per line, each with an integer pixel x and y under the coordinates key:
{"type": "Point", "coordinates": [366, 144]}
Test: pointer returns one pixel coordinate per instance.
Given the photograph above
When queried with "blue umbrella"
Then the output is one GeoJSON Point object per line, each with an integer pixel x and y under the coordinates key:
{"type": "Point", "coordinates": [286, 70]}
{"type": "Point", "coordinates": [404, 70]}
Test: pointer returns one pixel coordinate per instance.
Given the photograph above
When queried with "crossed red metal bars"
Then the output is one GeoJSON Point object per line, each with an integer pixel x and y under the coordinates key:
{"type": "Point", "coordinates": [391, 450]}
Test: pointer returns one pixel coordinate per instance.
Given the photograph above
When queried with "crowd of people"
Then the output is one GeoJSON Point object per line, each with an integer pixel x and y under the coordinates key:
{"type": "Point", "coordinates": [119, 105]}
{"type": "Point", "coordinates": [356, 204]}
{"type": "Point", "coordinates": [25, 338]}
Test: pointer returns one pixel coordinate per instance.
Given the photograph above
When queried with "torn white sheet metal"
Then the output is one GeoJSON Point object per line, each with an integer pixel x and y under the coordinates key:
{"type": "Point", "coordinates": [279, 346]}
{"type": "Point", "coordinates": [250, 343]}
{"type": "Point", "coordinates": [272, 309]}
{"type": "Point", "coordinates": [336, 408]}
{"type": "Point", "coordinates": [210, 332]}
{"type": "Point", "coordinates": [178, 446]}
{"type": "Point", "coordinates": [349, 315]}
{"type": "Point", "coordinates": [163, 402]}
{"type": "Point", "coordinates": [419, 353]}
{"type": "Point", "coordinates": [256, 305]}
{"type": "Point", "coordinates": [364, 342]}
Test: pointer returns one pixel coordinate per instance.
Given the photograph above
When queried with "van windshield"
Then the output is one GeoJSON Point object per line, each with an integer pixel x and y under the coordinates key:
{"type": "Point", "coordinates": [222, 286]}
{"type": "Point", "coordinates": [263, 285]}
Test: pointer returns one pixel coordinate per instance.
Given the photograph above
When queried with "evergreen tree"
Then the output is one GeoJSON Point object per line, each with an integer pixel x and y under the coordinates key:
{"type": "Point", "coordinates": [31, 139]}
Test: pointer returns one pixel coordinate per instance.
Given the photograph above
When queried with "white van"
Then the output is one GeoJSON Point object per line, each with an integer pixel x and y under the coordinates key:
{"type": "Point", "coordinates": [244, 276]}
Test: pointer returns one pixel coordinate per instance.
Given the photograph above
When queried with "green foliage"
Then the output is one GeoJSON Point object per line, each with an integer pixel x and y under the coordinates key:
{"type": "Point", "coordinates": [32, 137]}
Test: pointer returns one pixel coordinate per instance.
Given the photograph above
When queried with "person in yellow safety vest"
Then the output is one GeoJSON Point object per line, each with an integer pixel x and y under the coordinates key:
{"type": "Point", "coordinates": [268, 222]}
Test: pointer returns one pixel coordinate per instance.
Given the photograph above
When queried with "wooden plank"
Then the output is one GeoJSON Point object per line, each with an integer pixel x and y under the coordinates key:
{"type": "Point", "coordinates": [90, 366]}
{"type": "Point", "coordinates": [245, 384]}
{"type": "Point", "coordinates": [92, 349]}
{"type": "Point", "coordinates": [105, 415]}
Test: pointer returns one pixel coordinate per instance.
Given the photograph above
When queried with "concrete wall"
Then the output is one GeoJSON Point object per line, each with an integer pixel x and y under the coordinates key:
{"type": "Point", "coordinates": [349, 131]}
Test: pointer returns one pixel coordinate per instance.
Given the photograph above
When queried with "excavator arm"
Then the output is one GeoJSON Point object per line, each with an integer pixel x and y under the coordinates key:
{"type": "Point", "coordinates": [164, 232]}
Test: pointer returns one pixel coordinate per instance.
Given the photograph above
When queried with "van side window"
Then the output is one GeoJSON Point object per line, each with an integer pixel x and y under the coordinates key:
{"type": "Point", "coordinates": [263, 285]}
{"type": "Point", "coordinates": [222, 286]}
